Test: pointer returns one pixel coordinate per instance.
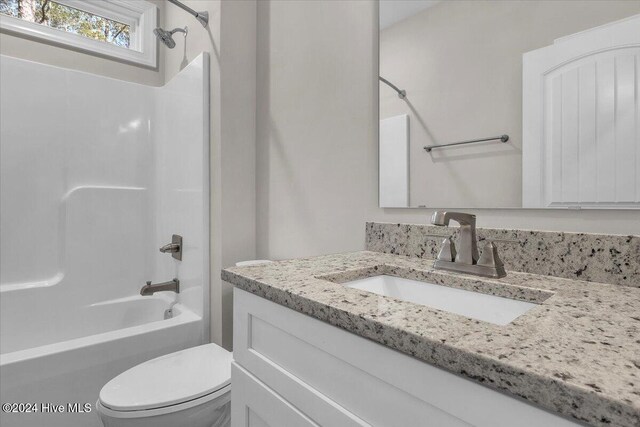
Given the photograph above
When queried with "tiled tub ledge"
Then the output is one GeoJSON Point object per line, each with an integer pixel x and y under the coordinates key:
{"type": "Point", "coordinates": [577, 353]}
{"type": "Point", "coordinates": [600, 258]}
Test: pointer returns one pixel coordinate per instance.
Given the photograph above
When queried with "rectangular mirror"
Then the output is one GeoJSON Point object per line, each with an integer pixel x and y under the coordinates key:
{"type": "Point", "coordinates": [457, 124]}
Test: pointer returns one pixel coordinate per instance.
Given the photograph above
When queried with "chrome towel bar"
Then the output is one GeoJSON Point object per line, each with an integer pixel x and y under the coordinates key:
{"type": "Point", "coordinates": [502, 138]}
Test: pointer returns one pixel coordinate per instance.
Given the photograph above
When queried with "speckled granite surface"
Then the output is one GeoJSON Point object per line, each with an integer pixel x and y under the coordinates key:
{"type": "Point", "coordinates": [591, 257]}
{"type": "Point", "coordinates": [578, 353]}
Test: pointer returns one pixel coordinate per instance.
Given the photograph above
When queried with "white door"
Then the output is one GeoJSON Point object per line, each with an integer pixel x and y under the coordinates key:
{"type": "Point", "coordinates": [581, 120]}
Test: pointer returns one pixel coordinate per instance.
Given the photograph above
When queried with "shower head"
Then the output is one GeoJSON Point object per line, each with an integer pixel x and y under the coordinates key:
{"type": "Point", "coordinates": [166, 37]}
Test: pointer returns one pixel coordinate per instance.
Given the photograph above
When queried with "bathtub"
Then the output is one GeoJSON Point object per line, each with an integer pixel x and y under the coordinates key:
{"type": "Point", "coordinates": [85, 203]}
{"type": "Point", "coordinates": [80, 351]}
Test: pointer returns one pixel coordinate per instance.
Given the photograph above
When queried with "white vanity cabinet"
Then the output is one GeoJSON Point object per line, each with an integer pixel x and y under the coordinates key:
{"type": "Point", "coordinates": [293, 370]}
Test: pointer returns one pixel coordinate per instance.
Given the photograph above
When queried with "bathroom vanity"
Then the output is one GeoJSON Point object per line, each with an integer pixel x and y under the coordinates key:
{"type": "Point", "coordinates": [328, 341]}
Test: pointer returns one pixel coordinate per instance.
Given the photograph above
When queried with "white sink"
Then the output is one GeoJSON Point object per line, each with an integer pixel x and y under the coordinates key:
{"type": "Point", "coordinates": [488, 308]}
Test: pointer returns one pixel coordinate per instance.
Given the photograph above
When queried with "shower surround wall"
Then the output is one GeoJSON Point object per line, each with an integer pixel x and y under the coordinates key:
{"type": "Point", "coordinates": [96, 175]}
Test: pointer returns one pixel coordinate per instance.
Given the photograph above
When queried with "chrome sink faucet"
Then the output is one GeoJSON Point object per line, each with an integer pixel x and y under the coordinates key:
{"type": "Point", "coordinates": [467, 246]}
{"type": "Point", "coordinates": [466, 259]}
{"type": "Point", "coordinates": [171, 285]}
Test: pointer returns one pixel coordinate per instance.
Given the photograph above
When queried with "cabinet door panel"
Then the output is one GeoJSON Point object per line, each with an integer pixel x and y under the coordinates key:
{"type": "Point", "coordinates": [253, 404]}
{"type": "Point", "coordinates": [277, 354]}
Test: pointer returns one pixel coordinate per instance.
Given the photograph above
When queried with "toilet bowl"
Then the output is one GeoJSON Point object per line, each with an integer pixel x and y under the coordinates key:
{"type": "Point", "coordinates": [191, 388]}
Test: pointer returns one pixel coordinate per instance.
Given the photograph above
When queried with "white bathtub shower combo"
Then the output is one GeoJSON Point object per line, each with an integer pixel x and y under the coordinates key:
{"type": "Point", "coordinates": [97, 174]}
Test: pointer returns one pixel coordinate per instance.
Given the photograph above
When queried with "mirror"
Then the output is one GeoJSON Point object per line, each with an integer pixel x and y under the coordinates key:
{"type": "Point", "coordinates": [451, 72]}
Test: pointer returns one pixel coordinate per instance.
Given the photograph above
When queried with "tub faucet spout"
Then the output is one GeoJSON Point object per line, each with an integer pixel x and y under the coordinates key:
{"type": "Point", "coordinates": [171, 285]}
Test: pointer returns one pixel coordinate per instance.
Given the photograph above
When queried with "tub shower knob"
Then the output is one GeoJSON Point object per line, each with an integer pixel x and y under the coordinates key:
{"type": "Point", "coordinates": [174, 248]}
{"type": "Point", "coordinates": [170, 247]}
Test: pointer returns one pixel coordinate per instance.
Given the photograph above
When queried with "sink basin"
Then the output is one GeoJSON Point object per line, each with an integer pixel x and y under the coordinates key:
{"type": "Point", "coordinates": [488, 308]}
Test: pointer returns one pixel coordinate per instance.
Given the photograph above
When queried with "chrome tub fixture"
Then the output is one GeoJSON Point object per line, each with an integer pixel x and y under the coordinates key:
{"type": "Point", "coordinates": [174, 248]}
{"type": "Point", "coordinates": [150, 289]}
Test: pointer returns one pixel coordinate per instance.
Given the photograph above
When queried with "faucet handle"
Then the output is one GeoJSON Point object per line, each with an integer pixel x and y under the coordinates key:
{"type": "Point", "coordinates": [148, 282]}
{"type": "Point", "coordinates": [447, 251]}
{"type": "Point", "coordinates": [490, 257]}
{"type": "Point", "coordinates": [174, 248]}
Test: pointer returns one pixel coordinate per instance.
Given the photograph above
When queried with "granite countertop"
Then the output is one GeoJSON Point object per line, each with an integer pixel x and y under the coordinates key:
{"type": "Point", "coordinates": [577, 353]}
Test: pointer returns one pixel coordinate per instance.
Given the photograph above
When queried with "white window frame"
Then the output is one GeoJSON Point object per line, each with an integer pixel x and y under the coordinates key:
{"type": "Point", "coordinates": [140, 15]}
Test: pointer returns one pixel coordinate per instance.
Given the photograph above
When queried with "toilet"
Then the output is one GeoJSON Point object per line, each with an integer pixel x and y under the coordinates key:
{"type": "Point", "coordinates": [191, 387]}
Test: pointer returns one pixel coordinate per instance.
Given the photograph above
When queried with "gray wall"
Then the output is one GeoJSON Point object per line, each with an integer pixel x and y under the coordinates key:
{"type": "Point", "coordinates": [316, 126]}
{"type": "Point", "coordinates": [317, 136]}
{"type": "Point", "coordinates": [32, 50]}
{"type": "Point", "coordinates": [461, 64]}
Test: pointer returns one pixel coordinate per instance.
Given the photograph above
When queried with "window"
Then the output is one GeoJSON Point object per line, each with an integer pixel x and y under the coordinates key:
{"type": "Point", "coordinates": [116, 28]}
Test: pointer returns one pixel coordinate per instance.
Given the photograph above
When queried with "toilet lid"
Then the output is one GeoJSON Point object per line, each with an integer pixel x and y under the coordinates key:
{"type": "Point", "coordinates": [169, 380]}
